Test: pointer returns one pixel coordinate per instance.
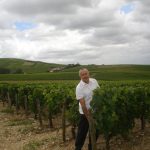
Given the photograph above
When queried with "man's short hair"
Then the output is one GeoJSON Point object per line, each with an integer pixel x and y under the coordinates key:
{"type": "Point", "coordinates": [83, 69]}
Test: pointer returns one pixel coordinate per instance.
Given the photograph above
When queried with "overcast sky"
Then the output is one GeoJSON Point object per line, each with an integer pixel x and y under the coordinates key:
{"type": "Point", "coordinates": [76, 31]}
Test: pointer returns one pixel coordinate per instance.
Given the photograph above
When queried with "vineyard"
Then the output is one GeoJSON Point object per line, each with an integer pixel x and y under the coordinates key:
{"type": "Point", "coordinates": [116, 106]}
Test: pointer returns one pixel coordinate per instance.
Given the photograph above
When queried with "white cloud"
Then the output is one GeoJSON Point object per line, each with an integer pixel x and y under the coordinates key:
{"type": "Point", "coordinates": [71, 31]}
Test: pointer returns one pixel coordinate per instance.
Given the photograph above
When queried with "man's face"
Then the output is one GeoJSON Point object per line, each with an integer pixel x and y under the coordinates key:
{"type": "Point", "coordinates": [84, 75]}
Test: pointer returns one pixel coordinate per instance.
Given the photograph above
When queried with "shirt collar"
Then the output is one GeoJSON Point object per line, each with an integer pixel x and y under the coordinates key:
{"type": "Point", "coordinates": [83, 83]}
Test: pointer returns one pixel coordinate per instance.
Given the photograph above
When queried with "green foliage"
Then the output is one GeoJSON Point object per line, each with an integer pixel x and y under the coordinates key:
{"type": "Point", "coordinates": [72, 112]}
{"type": "Point", "coordinates": [116, 106]}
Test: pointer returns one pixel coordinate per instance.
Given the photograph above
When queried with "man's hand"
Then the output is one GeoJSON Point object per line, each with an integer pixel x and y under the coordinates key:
{"type": "Point", "coordinates": [85, 110]}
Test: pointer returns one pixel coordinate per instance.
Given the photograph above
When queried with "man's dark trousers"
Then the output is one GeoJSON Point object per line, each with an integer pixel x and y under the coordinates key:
{"type": "Point", "coordinates": [83, 128]}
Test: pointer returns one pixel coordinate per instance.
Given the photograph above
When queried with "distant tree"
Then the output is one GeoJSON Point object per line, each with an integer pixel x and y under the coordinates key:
{"type": "Point", "coordinates": [4, 71]}
{"type": "Point", "coordinates": [17, 71]}
{"type": "Point", "coordinates": [72, 65]}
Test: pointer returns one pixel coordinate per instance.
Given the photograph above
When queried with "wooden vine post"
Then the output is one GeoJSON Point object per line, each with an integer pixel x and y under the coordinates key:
{"type": "Point", "coordinates": [50, 120]}
{"type": "Point", "coordinates": [9, 100]}
{"type": "Point", "coordinates": [17, 102]}
{"type": "Point", "coordinates": [26, 104]}
{"type": "Point", "coordinates": [64, 121]}
{"type": "Point", "coordinates": [92, 129]}
{"type": "Point", "coordinates": [39, 112]}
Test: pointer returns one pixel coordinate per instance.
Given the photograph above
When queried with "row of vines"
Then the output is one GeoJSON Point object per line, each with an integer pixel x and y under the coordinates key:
{"type": "Point", "coordinates": [115, 106]}
{"type": "Point", "coordinates": [44, 102]}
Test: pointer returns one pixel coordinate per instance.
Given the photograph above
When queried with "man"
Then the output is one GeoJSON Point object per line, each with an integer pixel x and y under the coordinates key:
{"type": "Point", "coordinates": [84, 92]}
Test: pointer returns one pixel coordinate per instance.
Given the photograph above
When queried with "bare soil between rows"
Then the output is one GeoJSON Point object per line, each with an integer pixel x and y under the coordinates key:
{"type": "Point", "coordinates": [17, 132]}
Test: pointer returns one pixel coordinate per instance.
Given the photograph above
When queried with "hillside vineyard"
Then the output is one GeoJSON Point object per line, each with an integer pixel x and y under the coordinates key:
{"type": "Point", "coordinates": [115, 106]}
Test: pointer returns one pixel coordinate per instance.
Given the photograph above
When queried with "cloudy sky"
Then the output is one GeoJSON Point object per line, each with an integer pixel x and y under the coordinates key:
{"type": "Point", "coordinates": [76, 31]}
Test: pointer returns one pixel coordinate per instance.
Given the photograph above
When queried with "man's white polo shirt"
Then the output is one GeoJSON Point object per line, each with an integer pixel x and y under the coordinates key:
{"type": "Point", "coordinates": [85, 91]}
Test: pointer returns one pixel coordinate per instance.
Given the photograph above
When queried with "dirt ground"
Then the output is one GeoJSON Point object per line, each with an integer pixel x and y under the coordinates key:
{"type": "Point", "coordinates": [20, 133]}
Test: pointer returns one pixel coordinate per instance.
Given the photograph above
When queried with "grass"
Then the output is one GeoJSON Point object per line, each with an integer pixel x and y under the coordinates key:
{"type": "Point", "coordinates": [18, 122]}
{"type": "Point", "coordinates": [34, 145]}
{"type": "Point", "coordinates": [35, 70]}
{"type": "Point", "coordinates": [39, 76]}
{"type": "Point", "coordinates": [99, 75]}
{"type": "Point", "coordinates": [7, 110]}
{"type": "Point", "coordinates": [26, 130]}
{"type": "Point", "coordinates": [26, 65]}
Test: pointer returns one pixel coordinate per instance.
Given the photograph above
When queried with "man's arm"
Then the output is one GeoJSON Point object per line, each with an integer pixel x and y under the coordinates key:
{"type": "Point", "coordinates": [85, 110]}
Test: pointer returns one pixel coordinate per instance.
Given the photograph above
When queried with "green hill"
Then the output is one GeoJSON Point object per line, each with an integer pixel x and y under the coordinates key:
{"type": "Point", "coordinates": [26, 66]}
{"type": "Point", "coordinates": [111, 68]}
{"type": "Point", "coordinates": [35, 70]}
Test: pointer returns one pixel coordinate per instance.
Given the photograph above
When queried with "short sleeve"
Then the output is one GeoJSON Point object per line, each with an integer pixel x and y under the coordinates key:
{"type": "Point", "coordinates": [97, 85]}
{"type": "Point", "coordinates": [79, 93]}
